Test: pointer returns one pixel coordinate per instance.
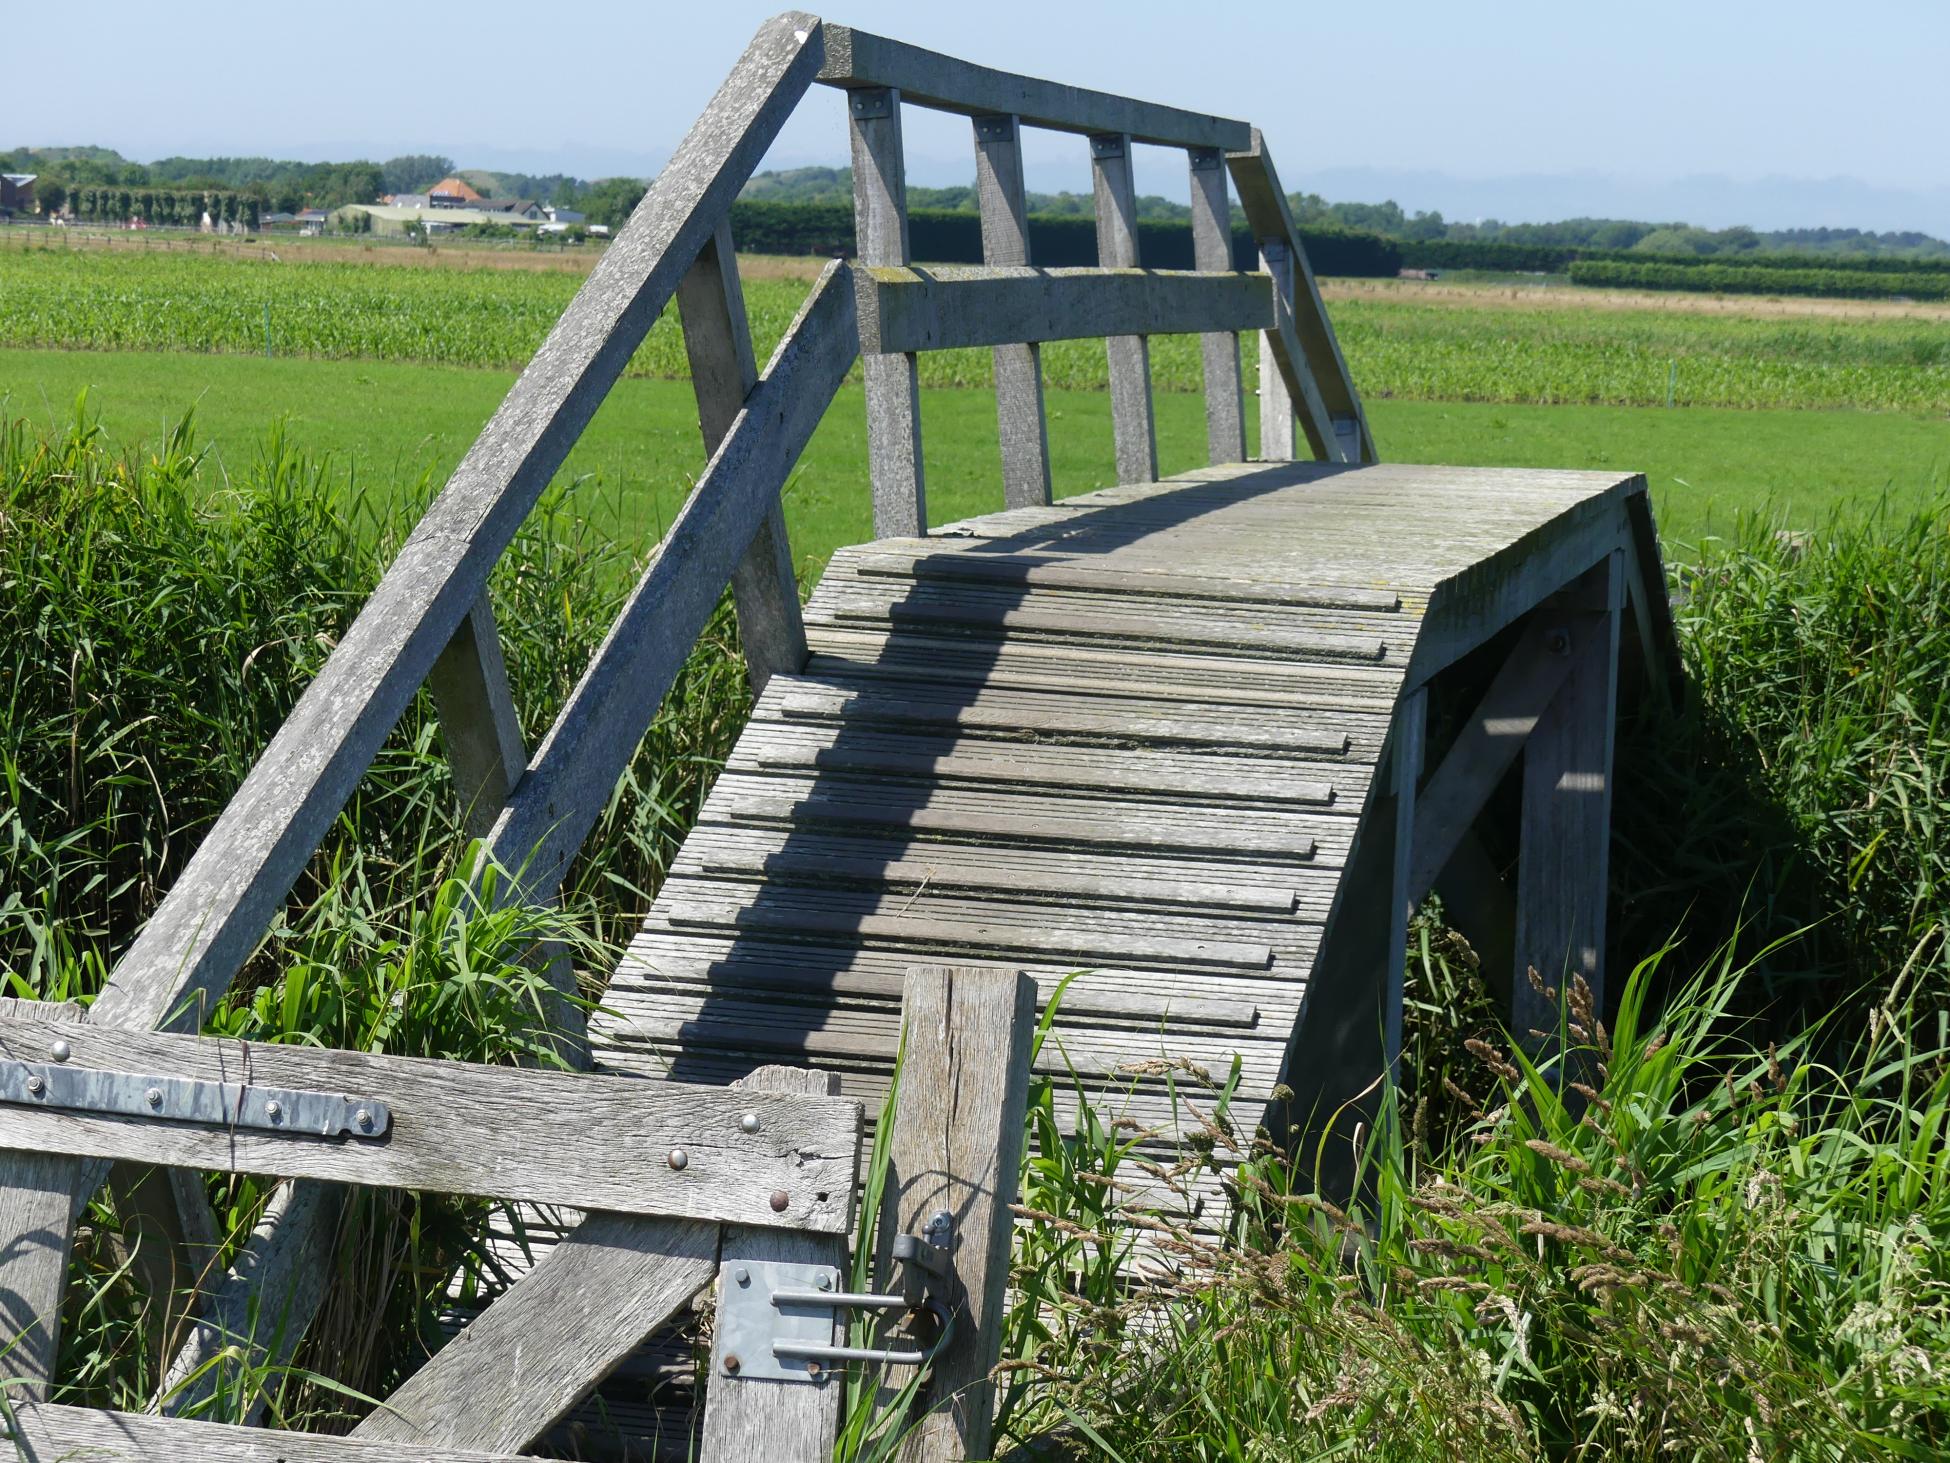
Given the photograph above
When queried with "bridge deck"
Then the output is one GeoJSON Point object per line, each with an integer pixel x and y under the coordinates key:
{"type": "Point", "coordinates": [1130, 734]}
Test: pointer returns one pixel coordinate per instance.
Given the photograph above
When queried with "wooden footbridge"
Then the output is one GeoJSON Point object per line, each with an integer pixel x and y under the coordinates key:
{"type": "Point", "coordinates": [1207, 739]}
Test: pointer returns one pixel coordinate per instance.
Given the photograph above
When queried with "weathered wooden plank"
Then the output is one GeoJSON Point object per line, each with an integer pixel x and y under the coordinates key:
{"type": "Point", "coordinates": [1188, 723]}
{"type": "Point", "coordinates": [718, 344]}
{"type": "Point", "coordinates": [1130, 355]}
{"type": "Point", "coordinates": [478, 721]}
{"type": "Point", "coordinates": [856, 58]}
{"type": "Point", "coordinates": [493, 1131]}
{"type": "Point", "coordinates": [39, 1192]}
{"type": "Point", "coordinates": [44, 1433]}
{"type": "Point", "coordinates": [1029, 617]}
{"type": "Point", "coordinates": [573, 772]}
{"type": "Point", "coordinates": [1564, 855]}
{"type": "Point", "coordinates": [954, 1149]}
{"type": "Point", "coordinates": [1276, 414]}
{"type": "Point", "coordinates": [1083, 825]}
{"type": "Point", "coordinates": [1022, 425]}
{"type": "Point", "coordinates": [536, 1350]}
{"type": "Point", "coordinates": [1409, 740]}
{"type": "Point", "coordinates": [1289, 356]}
{"type": "Point", "coordinates": [1265, 206]}
{"type": "Point", "coordinates": [1042, 571]}
{"type": "Point", "coordinates": [1223, 780]}
{"type": "Point", "coordinates": [1225, 413]}
{"type": "Point", "coordinates": [261, 1308]}
{"type": "Point", "coordinates": [219, 907]}
{"type": "Point", "coordinates": [1491, 738]}
{"type": "Point", "coordinates": [779, 1422]}
{"type": "Point", "coordinates": [952, 307]}
{"type": "Point", "coordinates": [900, 504]}
{"type": "Point", "coordinates": [973, 933]}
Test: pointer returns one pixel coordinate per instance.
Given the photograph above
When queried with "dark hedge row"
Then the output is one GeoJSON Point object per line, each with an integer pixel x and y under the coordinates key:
{"type": "Point", "coordinates": [939, 236]}
{"type": "Point", "coordinates": [1748, 279]}
{"type": "Point", "coordinates": [1555, 258]}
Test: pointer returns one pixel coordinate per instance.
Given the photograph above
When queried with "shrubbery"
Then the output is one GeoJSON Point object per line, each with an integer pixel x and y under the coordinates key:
{"type": "Point", "coordinates": [1719, 277]}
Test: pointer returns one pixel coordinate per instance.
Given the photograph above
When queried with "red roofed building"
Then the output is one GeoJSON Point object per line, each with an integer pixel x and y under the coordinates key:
{"type": "Point", "coordinates": [452, 193]}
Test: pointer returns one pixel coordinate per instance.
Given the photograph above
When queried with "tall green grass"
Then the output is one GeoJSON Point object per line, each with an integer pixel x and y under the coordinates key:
{"type": "Point", "coordinates": [153, 635]}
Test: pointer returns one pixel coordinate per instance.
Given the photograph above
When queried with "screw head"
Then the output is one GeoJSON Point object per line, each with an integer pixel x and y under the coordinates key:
{"type": "Point", "coordinates": [36, 1085]}
{"type": "Point", "coordinates": [153, 1097]}
{"type": "Point", "coordinates": [364, 1119]}
{"type": "Point", "coordinates": [60, 1051]}
{"type": "Point", "coordinates": [742, 1275]}
{"type": "Point", "coordinates": [813, 1368]}
{"type": "Point", "coordinates": [780, 1198]}
{"type": "Point", "coordinates": [679, 1159]}
{"type": "Point", "coordinates": [274, 1110]}
{"type": "Point", "coordinates": [731, 1363]}
{"type": "Point", "coordinates": [1558, 642]}
{"type": "Point", "coordinates": [748, 1122]}
{"type": "Point", "coordinates": [823, 1282]}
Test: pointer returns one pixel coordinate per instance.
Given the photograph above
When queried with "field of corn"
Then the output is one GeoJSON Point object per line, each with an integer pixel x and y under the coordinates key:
{"type": "Point", "coordinates": [1725, 1234]}
{"type": "Point", "coordinates": [128, 300]}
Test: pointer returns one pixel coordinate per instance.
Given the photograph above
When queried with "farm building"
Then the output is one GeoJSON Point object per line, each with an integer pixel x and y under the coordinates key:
{"type": "Point", "coordinates": [17, 192]}
{"type": "Point", "coordinates": [452, 193]}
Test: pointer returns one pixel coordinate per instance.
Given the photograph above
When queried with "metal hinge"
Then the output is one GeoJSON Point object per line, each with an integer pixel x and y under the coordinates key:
{"type": "Point", "coordinates": [776, 1321]}
{"type": "Point", "coordinates": [62, 1088]}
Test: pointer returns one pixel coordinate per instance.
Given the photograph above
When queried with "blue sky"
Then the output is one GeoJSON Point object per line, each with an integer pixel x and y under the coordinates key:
{"type": "Point", "coordinates": [1775, 114]}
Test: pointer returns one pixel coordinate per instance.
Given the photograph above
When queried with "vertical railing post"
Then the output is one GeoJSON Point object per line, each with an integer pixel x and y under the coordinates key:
{"type": "Point", "coordinates": [1410, 745]}
{"type": "Point", "coordinates": [470, 690]}
{"type": "Point", "coordinates": [1018, 368]}
{"type": "Point", "coordinates": [954, 1149]}
{"type": "Point", "coordinates": [900, 507]}
{"type": "Point", "coordinates": [1225, 421]}
{"type": "Point", "coordinates": [1130, 355]}
{"type": "Point", "coordinates": [718, 341]}
{"type": "Point", "coordinates": [1275, 401]}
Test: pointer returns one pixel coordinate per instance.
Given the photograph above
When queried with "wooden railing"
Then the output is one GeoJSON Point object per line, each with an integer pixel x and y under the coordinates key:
{"type": "Point", "coordinates": [430, 621]}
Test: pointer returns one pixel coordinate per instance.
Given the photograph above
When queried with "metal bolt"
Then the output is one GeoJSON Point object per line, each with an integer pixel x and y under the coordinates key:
{"type": "Point", "coordinates": [742, 1275]}
{"type": "Point", "coordinates": [679, 1159]}
{"type": "Point", "coordinates": [731, 1364]}
{"type": "Point", "coordinates": [748, 1122]}
{"type": "Point", "coordinates": [60, 1051]}
{"type": "Point", "coordinates": [1557, 642]}
{"type": "Point", "coordinates": [36, 1085]}
{"type": "Point", "coordinates": [364, 1119]}
{"type": "Point", "coordinates": [154, 1096]}
{"type": "Point", "coordinates": [274, 1110]}
{"type": "Point", "coordinates": [812, 1368]}
{"type": "Point", "coordinates": [823, 1282]}
{"type": "Point", "coordinates": [780, 1198]}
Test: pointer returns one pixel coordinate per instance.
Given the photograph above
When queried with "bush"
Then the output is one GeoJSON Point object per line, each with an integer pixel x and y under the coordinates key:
{"type": "Point", "coordinates": [1716, 277]}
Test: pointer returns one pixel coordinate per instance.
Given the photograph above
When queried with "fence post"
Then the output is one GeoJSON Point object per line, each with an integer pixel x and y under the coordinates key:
{"type": "Point", "coordinates": [955, 1148]}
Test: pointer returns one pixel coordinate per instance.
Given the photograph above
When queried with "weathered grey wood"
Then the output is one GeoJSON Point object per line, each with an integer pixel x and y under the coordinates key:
{"type": "Point", "coordinates": [221, 904]}
{"type": "Point", "coordinates": [38, 1198]}
{"type": "Point", "coordinates": [1275, 402]}
{"type": "Point", "coordinates": [954, 1148]}
{"type": "Point", "coordinates": [1409, 740]}
{"type": "Point", "coordinates": [167, 1266]}
{"type": "Point", "coordinates": [262, 1307]}
{"type": "Point", "coordinates": [974, 934]}
{"type": "Point", "coordinates": [537, 1350]}
{"type": "Point", "coordinates": [1479, 902]}
{"type": "Point", "coordinates": [1491, 738]}
{"type": "Point", "coordinates": [1265, 206]}
{"type": "Point", "coordinates": [44, 1433]}
{"type": "Point", "coordinates": [478, 721]}
{"type": "Point", "coordinates": [1021, 423]}
{"type": "Point", "coordinates": [1187, 724]}
{"type": "Point", "coordinates": [573, 772]}
{"type": "Point", "coordinates": [855, 58]}
{"type": "Point", "coordinates": [1040, 820]}
{"type": "Point", "coordinates": [1130, 355]}
{"type": "Point", "coordinates": [787, 866]}
{"type": "Point", "coordinates": [718, 343]}
{"type": "Point", "coordinates": [957, 306]}
{"type": "Point", "coordinates": [900, 504]}
{"type": "Point", "coordinates": [1564, 857]}
{"type": "Point", "coordinates": [1034, 571]}
{"type": "Point", "coordinates": [499, 1132]}
{"type": "Point", "coordinates": [1225, 412]}
{"type": "Point", "coordinates": [778, 1422]}
{"type": "Point", "coordinates": [1288, 356]}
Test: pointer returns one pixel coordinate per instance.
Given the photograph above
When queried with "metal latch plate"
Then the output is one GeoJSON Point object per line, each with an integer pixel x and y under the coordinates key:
{"type": "Point", "coordinates": [749, 1324]}
{"type": "Point", "coordinates": [65, 1088]}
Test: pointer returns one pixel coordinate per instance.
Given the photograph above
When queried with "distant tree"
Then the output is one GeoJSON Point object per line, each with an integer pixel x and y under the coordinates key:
{"type": "Point", "coordinates": [413, 172]}
{"type": "Point", "coordinates": [610, 200]}
{"type": "Point", "coordinates": [53, 193]}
